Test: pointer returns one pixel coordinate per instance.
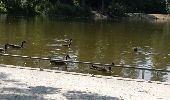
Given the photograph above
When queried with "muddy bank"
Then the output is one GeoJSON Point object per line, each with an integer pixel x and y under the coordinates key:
{"type": "Point", "coordinates": [149, 17]}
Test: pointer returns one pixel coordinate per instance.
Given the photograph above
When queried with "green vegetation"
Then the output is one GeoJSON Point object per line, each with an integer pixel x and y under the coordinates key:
{"type": "Point", "coordinates": [2, 7]}
{"type": "Point", "coordinates": [83, 8]}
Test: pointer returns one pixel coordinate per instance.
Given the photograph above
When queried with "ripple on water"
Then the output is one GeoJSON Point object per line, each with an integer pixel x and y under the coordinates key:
{"type": "Point", "coordinates": [57, 49]}
{"type": "Point", "coordinates": [54, 45]}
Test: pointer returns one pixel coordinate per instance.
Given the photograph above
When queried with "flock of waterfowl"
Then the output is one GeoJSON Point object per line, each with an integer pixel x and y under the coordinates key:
{"type": "Point", "coordinates": [56, 61]}
{"type": "Point", "coordinates": [102, 68]}
{"type": "Point", "coordinates": [59, 61]}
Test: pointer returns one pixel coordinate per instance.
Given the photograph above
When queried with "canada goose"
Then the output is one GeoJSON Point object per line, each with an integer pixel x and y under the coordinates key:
{"type": "Point", "coordinates": [67, 45]}
{"type": "Point", "coordinates": [138, 50]}
{"type": "Point", "coordinates": [70, 40]}
{"type": "Point", "coordinates": [4, 49]}
{"type": "Point", "coordinates": [17, 46]}
{"type": "Point", "coordinates": [101, 68]}
{"type": "Point", "coordinates": [59, 61]}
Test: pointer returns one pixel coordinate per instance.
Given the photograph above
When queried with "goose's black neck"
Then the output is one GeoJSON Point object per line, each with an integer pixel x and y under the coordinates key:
{"type": "Point", "coordinates": [110, 68]}
{"type": "Point", "coordinates": [67, 57]}
{"type": "Point", "coordinates": [6, 46]}
{"type": "Point", "coordinates": [69, 44]}
{"type": "Point", "coordinates": [22, 44]}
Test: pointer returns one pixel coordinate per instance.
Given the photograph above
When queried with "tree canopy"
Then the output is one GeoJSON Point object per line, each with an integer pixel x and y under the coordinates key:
{"type": "Point", "coordinates": [82, 7]}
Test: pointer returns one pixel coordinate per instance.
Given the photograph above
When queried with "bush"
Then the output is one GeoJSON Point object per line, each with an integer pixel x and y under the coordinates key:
{"type": "Point", "coordinates": [2, 7]}
{"type": "Point", "coordinates": [25, 7]}
{"type": "Point", "coordinates": [81, 8]}
{"type": "Point", "coordinates": [116, 9]}
{"type": "Point", "coordinates": [68, 10]}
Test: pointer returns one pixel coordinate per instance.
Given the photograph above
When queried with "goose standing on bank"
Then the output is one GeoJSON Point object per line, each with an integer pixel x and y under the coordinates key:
{"type": "Point", "coordinates": [17, 46]}
{"type": "Point", "coordinates": [59, 61]}
{"type": "Point", "coordinates": [101, 68]}
{"type": "Point", "coordinates": [2, 50]}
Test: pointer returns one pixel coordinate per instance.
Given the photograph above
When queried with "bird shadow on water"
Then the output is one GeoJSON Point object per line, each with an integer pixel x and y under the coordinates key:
{"type": "Point", "coordinates": [16, 90]}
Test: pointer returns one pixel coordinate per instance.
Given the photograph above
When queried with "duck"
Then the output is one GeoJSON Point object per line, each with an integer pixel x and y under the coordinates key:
{"type": "Point", "coordinates": [17, 46]}
{"type": "Point", "coordinates": [138, 50]}
{"type": "Point", "coordinates": [67, 45]}
{"type": "Point", "coordinates": [101, 68]}
{"type": "Point", "coordinates": [4, 49]}
{"type": "Point", "coordinates": [135, 49]}
{"type": "Point", "coordinates": [59, 61]}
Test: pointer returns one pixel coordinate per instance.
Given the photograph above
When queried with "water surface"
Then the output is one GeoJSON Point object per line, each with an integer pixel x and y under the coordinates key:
{"type": "Point", "coordinates": [95, 41]}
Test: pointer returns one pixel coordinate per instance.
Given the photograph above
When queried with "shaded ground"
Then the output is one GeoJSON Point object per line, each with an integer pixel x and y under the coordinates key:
{"type": "Point", "coordinates": [26, 84]}
{"type": "Point", "coordinates": [11, 89]}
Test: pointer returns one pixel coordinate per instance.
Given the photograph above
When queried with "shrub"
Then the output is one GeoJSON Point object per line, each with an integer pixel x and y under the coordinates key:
{"type": "Point", "coordinates": [68, 10]}
{"type": "Point", "coordinates": [2, 7]}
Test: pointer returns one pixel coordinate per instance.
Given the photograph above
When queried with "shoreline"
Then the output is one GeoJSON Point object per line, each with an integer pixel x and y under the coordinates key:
{"type": "Point", "coordinates": [149, 17]}
{"type": "Point", "coordinates": [18, 83]}
{"type": "Point", "coordinates": [99, 17]}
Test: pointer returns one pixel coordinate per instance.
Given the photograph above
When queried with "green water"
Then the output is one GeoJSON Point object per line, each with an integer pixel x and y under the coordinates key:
{"type": "Point", "coordinates": [95, 41]}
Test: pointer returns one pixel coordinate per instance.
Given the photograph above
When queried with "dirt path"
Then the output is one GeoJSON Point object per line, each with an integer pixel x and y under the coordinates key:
{"type": "Point", "coordinates": [21, 83]}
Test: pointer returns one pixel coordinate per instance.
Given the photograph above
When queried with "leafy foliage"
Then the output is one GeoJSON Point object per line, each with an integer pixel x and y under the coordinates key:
{"type": "Point", "coordinates": [2, 7]}
{"type": "Point", "coordinates": [82, 7]}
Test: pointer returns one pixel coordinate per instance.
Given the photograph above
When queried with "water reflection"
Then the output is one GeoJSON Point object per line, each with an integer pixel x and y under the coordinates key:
{"type": "Point", "coordinates": [103, 42]}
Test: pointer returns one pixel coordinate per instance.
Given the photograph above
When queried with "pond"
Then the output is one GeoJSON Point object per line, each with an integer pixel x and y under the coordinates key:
{"type": "Point", "coordinates": [95, 41]}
